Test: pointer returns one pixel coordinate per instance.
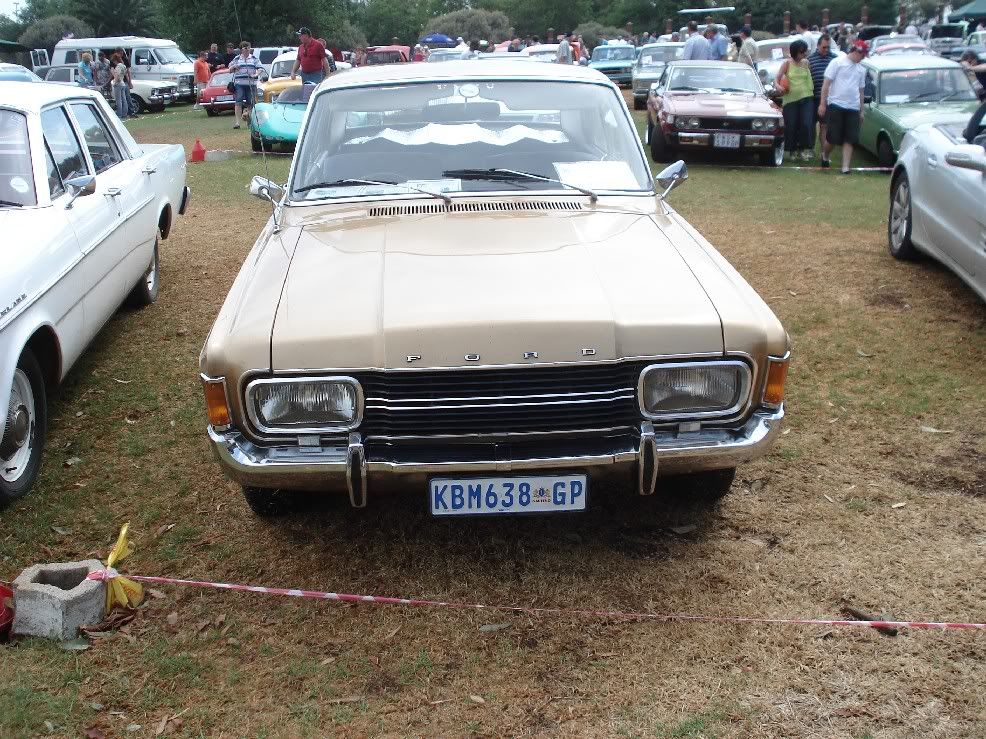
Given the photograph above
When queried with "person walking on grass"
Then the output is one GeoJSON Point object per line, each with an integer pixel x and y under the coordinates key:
{"type": "Point", "coordinates": [794, 77]}
{"type": "Point", "coordinates": [311, 60]}
{"type": "Point", "coordinates": [244, 68]}
{"type": "Point", "coordinates": [818, 62]}
{"type": "Point", "coordinates": [842, 103]}
{"type": "Point", "coordinates": [102, 72]}
{"type": "Point", "coordinates": [202, 75]}
{"type": "Point", "coordinates": [121, 93]}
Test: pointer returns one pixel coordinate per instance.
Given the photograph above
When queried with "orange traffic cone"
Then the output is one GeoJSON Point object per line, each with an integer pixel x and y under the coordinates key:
{"type": "Point", "coordinates": [198, 152]}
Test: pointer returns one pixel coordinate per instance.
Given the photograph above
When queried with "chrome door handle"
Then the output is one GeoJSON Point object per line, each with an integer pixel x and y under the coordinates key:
{"type": "Point", "coordinates": [932, 160]}
{"type": "Point", "coordinates": [113, 192]}
{"type": "Point", "coordinates": [149, 169]}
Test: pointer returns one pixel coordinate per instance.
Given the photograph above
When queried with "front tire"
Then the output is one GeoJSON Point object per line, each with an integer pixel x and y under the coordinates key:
{"type": "Point", "coordinates": [255, 144]}
{"type": "Point", "coordinates": [270, 502]}
{"type": "Point", "coordinates": [146, 291]}
{"type": "Point", "coordinates": [210, 112]}
{"type": "Point", "coordinates": [25, 425]}
{"type": "Point", "coordinates": [900, 220]}
{"type": "Point", "coordinates": [885, 152]}
{"type": "Point", "coordinates": [659, 149]}
{"type": "Point", "coordinates": [138, 104]}
{"type": "Point", "coordinates": [774, 157]}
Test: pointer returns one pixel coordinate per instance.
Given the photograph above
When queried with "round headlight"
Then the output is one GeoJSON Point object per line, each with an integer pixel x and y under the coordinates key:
{"type": "Point", "coordinates": [694, 389]}
{"type": "Point", "coordinates": [770, 124]}
{"type": "Point", "coordinates": [694, 123]}
{"type": "Point", "coordinates": [758, 124]}
{"type": "Point", "coordinates": [296, 405]}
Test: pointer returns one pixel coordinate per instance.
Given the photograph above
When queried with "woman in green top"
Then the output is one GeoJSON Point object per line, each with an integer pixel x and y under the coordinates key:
{"type": "Point", "coordinates": [794, 77]}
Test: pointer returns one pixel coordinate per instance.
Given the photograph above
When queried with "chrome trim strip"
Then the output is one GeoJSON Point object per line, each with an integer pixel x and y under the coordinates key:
{"type": "Point", "coordinates": [744, 396]}
{"type": "Point", "coordinates": [506, 397]}
{"type": "Point", "coordinates": [503, 405]}
{"type": "Point", "coordinates": [356, 471]}
{"type": "Point", "coordinates": [511, 435]}
{"type": "Point", "coordinates": [647, 465]}
{"type": "Point", "coordinates": [204, 378]}
{"type": "Point", "coordinates": [295, 430]}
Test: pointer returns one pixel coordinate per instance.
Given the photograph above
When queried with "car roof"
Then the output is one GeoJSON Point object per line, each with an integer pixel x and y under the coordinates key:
{"type": "Point", "coordinates": [542, 47]}
{"type": "Point", "coordinates": [32, 98]}
{"type": "Point", "coordinates": [108, 41]}
{"type": "Point", "coordinates": [659, 44]}
{"type": "Point", "coordinates": [708, 63]}
{"type": "Point", "coordinates": [891, 62]}
{"type": "Point", "coordinates": [287, 56]}
{"type": "Point", "coordinates": [522, 67]}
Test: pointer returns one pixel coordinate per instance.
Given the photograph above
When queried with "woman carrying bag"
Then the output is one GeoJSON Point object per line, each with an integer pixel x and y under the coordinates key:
{"type": "Point", "coordinates": [794, 78]}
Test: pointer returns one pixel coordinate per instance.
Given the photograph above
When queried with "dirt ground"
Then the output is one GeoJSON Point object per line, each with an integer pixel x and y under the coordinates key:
{"type": "Point", "coordinates": [886, 406]}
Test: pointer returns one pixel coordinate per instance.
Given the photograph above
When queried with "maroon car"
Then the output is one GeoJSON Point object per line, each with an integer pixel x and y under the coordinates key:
{"type": "Point", "coordinates": [713, 107]}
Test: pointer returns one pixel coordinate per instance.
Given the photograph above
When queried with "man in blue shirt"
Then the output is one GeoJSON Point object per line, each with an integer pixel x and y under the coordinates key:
{"type": "Point", "coordinates": [718, 44]}
{"type": "Point", "coordinates": [696, 47]}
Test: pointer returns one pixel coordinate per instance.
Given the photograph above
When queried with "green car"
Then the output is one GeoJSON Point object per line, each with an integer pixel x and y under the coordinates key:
{"type": "Point", "coordinates": [616, 61]}
{"type": "Point", "coordinates": [903, 91]}
{"type": "Point", "coordinates": [279, 121]}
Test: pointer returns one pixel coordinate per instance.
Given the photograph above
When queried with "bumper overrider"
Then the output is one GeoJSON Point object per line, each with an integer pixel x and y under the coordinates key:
{"type": "Point", "coordinates": [355, 464]}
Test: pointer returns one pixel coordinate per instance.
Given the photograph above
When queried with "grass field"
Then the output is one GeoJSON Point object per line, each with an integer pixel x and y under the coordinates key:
{"type": "Point", "coordinates": [881, 349]}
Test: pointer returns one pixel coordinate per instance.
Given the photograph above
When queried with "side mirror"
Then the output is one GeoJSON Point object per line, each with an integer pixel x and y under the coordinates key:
{"type": "Point", "coordinates": [79, 187]}
{"type": "Point", "coordinates": [261, 187]}
{"type": "Point", "coordinates": [671, 177]}
{"type": "Point", "coordinates": [967, 160]}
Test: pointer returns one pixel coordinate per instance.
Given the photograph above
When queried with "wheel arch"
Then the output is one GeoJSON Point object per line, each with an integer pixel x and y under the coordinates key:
{"type": "Point", "coordinates": [164, 221]}
{"type": "Point", "coordinates": [45, 347]}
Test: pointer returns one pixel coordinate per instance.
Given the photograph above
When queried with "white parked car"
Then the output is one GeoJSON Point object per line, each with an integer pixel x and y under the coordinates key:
{"type": "Point", "coordinates": [81, 208]}
{"type": "Point", "coordinates": [938, 197]}
{"type": "Point", "coordinates": [146, 94]}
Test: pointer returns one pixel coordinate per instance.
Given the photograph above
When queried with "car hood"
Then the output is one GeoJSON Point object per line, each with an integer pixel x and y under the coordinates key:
{"type": "Point", "coordinates": [373, 291]}
{"type": "Point", "coordinates": [718, 105]}
{"type": "Point", "coordinates": [911, 116]}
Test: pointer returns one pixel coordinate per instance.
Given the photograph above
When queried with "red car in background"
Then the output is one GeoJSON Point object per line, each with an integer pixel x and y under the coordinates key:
{"type": "Point", "coordinates": [215, 97]}
{"type": "Point", "coordinates": [388, 54]}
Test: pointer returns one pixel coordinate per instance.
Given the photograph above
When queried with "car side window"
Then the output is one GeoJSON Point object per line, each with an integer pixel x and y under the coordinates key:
{"type": "Point", "coordinates": [63, 144]}
{"type": "Point", "coordinates": [55, 185]}
{"type": "Point", "coordinates": [71, 56]}
{"type": "Point", "coordinates": [60, 75]}
{"type": "Point", "coordinates": [102, 149]}
{"type": "Point", "coordinates": [143, 56]}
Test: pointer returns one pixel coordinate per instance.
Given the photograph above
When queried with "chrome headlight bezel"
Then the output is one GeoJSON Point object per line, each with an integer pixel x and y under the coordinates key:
{"type": "Point", "coordinates": [267, 428]}
{"type": "Point", "coordinates": [689, 123]}
{"type": "Point", "coordinates": [742, 396]}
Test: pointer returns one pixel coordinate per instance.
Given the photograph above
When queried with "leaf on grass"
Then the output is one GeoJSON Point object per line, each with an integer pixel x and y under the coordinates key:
{"type": "Point", "coordinates": [163, 530]}
{"type": "Point", "coordinates": [487, 628]}
{"type": "Point", "coordinates": [130, 421]}
{"type": "Point", "coordinates": [390, 634]}
{"type": "Point", "coordinates": [161, 727]}
{"type": "Point", "coordinates": [203, 625]}
{"type": "Point", "coordinates": [122, 382]}
{"type": "Point", "coordinates": [154, 593]}
{"type": "Point", "coordinates": [60, 531]}
{"type": "Point", "coordinates": [785, 432]}
{"type": "Point", "coordinates": [72, 461]}
{"type": "Point", "coordinates": [439, 702]}
{"type": "Point", "coordinates": [132, 728]}
{"type": "Point", "coordinates": [477, 699]}
{"type": "Point", "coordinates": [861, 353]}
{"type": "Point", "coordinates": [352, 699]}
{"type": "Point", "coordinates": [172, 619]}
{"type": "Point", "coordinates": [96, 706]}
{"type": "Point", "coordinates": [220, 619]}
{"type": "Point", "coordinates": [94, 732]}
{"type": "Point", "coordinates": [50, 727]}
{"type": "Point", "coordinates": [898, 505]}
{"type": "Point", "coordinates": [793, 293]}
{"type": "Point", "coordinates": [374, 660]}
{"type": "Point", "coordinates": [326, 661]}
{"type": "Point", "coordinates": [828, 498]}
{"type": "Point", "coordinates": [681, 530]}
{"type": "Point", "coordinates": [933, 430]}
{"type": "Point", "coordinates": [75, 645]}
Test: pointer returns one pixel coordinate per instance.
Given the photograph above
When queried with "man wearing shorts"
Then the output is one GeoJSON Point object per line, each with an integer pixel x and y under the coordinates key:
{"type": "Point", "coordinates": [244, 68]}
{"type": "Point", "coordinates": [841, 105]}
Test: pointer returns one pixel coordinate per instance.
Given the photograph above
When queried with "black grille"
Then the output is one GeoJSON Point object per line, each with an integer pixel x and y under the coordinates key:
{"type": "Point", "coordinates": [500, 401]}
{"type": "Point", "coordinates": [727, 124]}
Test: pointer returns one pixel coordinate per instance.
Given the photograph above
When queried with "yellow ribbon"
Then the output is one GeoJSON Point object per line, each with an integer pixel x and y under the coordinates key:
{"type": "Point", "coordinates": [121, 591]}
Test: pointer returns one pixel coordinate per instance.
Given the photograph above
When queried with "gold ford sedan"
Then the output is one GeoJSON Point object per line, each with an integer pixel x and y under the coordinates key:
{"type": "Point", "coordinates": [469, 291]}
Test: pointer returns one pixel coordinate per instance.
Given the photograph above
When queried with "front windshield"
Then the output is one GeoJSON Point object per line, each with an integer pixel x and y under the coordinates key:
{"type": "Point", "coordinates": [220, 79]}
{"type": "Point", "coordinates": [16, 174]}
{"type": "Point", "coordinates": [946, 31]}
{"type": "Point", "coordinates": [658, 56]}
{"type": "Point", "coordinates": [170, 55]}
{"type": "Point", "coordinates": [298, 95]}
{"type": "Point", "coordinates": [775, 50]}
{"type": "Point", "coordinates": [714, 79]}
{"type": "Point", "coordinates": [430, 135]}
{"type": "Point", "coordinates": [282, 68]}
{"type": "Point", "coordinates": [613, 53]}
{"type": "Point", "coordinates": [925, 86]}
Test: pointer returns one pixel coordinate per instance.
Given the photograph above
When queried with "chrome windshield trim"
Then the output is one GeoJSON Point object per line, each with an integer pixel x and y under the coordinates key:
{"type": "Point", "coordinates": [743, 401]}
{"type": "Point", "coordinates": [295, 430]}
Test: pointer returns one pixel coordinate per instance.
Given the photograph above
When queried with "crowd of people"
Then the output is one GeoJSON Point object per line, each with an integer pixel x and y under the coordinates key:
{"type": "Point", "coordinates": [110, 75]}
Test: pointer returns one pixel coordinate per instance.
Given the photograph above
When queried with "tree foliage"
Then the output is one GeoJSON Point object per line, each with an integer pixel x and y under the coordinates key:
{"type": "Point", "coordinates": [592, 33]}
{"type": "Point", "coordinates": [118, 17]}
{"type": "Point", "coordinates": [537, 16]}
{"type": "Point", "coordinates": [476, 25]}
{"type": "Point", "coordinates": [47, 32]}
{"type": "Point", "coordinates": [384, 20]}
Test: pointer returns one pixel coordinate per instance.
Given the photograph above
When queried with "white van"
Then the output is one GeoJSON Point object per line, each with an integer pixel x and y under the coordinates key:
{"type": "Point", "coordinates": [267, 54]}
{"type": "Point", "coordinates": [154, 59]}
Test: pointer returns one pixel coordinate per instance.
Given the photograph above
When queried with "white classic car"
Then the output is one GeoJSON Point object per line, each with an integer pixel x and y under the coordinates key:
{"type": "Point", "coordinates": [81, 207]}
{"type": "Point", "coordinates": [938, 198]}
{"type": "Point", "coordinates": [469, 287]}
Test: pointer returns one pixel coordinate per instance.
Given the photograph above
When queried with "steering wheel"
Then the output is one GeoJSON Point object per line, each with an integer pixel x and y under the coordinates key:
{"type": "Point", "coordinates": [974, 129]}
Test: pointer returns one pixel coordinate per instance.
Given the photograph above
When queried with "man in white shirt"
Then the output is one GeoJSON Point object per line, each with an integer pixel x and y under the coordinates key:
{"type": "Point", "coordinates": [911, 30]}
{"type": "Point", "coordinates": [564, 53]}
{"type": "Point", "coordinates": [697, 46]}
{"type": "Point", "coordinates": [807, 36]}
{"type": "Point", "coordinates": [842, 103]}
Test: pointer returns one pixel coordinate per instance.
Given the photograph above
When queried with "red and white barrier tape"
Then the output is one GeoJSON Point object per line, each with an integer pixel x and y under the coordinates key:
{"type": "Point", "coordinates": [384, 600]}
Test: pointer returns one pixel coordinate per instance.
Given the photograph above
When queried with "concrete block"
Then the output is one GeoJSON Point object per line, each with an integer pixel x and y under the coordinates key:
{"type": "Point", "coordinates": [54, 600]}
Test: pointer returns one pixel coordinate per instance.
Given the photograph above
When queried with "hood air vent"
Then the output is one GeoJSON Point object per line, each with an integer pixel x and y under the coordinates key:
{"type": "Point", "coordinates": [473, 207]}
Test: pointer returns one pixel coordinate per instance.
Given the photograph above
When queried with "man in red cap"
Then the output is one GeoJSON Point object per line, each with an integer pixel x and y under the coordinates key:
{"type": "Point", "coordinates": [841, 105]}
{"type": "Point", "coordinates": [311, 59]}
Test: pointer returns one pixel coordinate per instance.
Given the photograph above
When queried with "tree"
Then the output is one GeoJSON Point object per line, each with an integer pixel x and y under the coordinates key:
{"type": "Point", "coordinates": [10, 28]}
{"type": "Point", "coordinates": [537, 16]}
{"type": "Point", "coordinates": [472, 25]}
{"type": "Point", "coordinates": [118, 17]}
{"type": "Point", "coordinates": [592, 33]}
{"type": "Point", "coordinates": [344, 35]}
{"type": "Point", "coordinates": [46, 33]}
{"type": "Point", "coordinates": [33, 11]}
{"type": "Point", "coordinates": [384, 20]}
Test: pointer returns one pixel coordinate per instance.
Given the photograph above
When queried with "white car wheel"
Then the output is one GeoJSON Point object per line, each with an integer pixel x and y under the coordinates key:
{"type": "Point", "coordinates": [23, 427]}
{"type": "Point", "coordinates": [899, 221]}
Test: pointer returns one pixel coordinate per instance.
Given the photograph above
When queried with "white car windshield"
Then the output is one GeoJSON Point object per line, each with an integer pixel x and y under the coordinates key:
{"type": "Point", "coordinates": [713, 79]}
{"type": "Point", "coordinates": [463, 136]}
{"type": "Point", "coordinates": [925, 86]}
{"type": "Point", "coordinates": [773, 50]}
{"type": "Point", "coordinates": [16, 173]}
{"type": "Point", "coordinates": [613, 53]}
{"type": "Point", "coordinates": [658, 56]}
{"type": "Point", "coordinates": [171, 55]}
{"type": "Point", "coordinates": [282, 68]}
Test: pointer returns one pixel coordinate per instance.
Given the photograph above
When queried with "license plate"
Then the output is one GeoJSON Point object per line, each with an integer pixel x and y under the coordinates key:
{"type": "Point", "coordinates": [224, 98]}
{"type": "Point", "coordinates": [493, 496]}
{"type": "Point", "coordinates": [726, 140]}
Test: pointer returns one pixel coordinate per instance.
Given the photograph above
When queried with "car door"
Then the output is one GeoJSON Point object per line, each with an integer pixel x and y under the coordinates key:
{"type": "Point", "coordinates": [127, 184]}
{"type": "Point", "coordinates": [873, 118]}
{"type": "Point", "coordinates": [957, 227]}
{"type": "Point", "coordinates": [144, 64]}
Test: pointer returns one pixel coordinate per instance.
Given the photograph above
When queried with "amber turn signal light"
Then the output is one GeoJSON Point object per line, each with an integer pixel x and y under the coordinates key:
{"type": "Point", "coordinates": [773, 392]}
{"type": "Point", "coordinates": [215, 401]}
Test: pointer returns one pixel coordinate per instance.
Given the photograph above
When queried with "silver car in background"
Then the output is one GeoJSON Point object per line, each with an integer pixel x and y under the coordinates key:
{"type": "Point", "coordinates": [651, 60]}
{"type": "Point", "coordinates": [936, 198]}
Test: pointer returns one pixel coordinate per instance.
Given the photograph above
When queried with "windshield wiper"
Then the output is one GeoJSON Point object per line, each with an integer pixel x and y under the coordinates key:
{"type": "Point", "coordinates": [11, 203]}
{"type": "Point", "coordinates": [736, 89]}
{"type": "Point", "coordinates": [505, 175]}
{"type": "Point", "coordinates": [342, 183]}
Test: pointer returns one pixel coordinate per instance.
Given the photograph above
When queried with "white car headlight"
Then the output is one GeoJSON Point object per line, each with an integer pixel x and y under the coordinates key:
{"type": "Point", "coordinates": [262, 117]}
{"type": "Point", "coordinates": [758, 124]}
{"type": "Point", "coordinates": [694, 389]}
{"type": "Point", "coordinates": [290, 405]}
{"type": "Point", "coordinates": [692, 122]}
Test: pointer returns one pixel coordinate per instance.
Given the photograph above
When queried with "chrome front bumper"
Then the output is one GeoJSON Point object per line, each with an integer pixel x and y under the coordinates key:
{"type": "Point", "coordinates": [354, 465]}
